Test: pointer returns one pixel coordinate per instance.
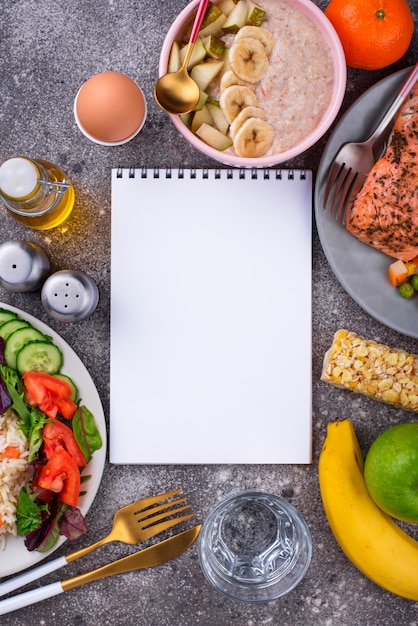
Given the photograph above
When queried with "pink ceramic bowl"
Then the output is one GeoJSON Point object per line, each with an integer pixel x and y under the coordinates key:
{"type": "Point", "coordinates": [340, 72]}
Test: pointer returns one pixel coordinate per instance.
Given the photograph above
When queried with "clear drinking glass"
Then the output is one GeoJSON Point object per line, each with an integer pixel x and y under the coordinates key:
{"type": "Point", "coordinates": [254, 547]}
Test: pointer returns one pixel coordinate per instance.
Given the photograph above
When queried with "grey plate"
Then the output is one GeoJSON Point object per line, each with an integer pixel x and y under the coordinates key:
{"type": "Point", "coordinates": [361, 270]}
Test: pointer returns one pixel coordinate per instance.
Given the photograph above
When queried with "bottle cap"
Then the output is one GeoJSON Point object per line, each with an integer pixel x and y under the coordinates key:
{"type": "Point", "coordinates": [23, 266]}
{"type": "Point", "coordinates": [18, 177]}
{"type": "Point", "coordinates": [69, 295]}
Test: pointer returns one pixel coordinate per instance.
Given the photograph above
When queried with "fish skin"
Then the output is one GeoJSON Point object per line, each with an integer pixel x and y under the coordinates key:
{"type": "Point", "coordinates": [384, 214]}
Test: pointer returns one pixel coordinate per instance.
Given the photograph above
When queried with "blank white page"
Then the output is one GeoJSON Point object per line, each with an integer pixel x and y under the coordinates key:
{"type": "Point", "coordinates": [211, 316]}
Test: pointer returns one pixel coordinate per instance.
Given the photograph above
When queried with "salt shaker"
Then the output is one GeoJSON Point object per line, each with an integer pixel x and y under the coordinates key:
{"type": "Point", "coordinates": [69, 295]}
{"type": "Point", "coordinates": [36, 193]}
{"type": "Point", "coordinates": [23, 266]}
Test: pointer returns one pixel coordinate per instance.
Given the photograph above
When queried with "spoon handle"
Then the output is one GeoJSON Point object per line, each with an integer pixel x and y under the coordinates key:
{"type": "Point", "coordinates": [198, 20]}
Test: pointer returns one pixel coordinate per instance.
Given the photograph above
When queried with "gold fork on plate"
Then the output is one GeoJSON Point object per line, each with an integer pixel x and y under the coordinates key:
{"type": "Point", "coordinates": [133, 523]}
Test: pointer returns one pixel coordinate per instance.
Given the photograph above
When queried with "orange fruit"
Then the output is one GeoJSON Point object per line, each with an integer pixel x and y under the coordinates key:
{"type": "Point", "coordinates": [373, 33]}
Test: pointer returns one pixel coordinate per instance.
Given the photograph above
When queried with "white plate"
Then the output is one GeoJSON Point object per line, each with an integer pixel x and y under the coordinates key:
{"type": "Point", "coordinates": [361, 270]}
{"type": "Point", "coordinates": [16, 557]}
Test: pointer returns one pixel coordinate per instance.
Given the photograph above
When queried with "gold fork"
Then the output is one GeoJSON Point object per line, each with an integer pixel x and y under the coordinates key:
{"type": "Point", "coordinates": [133, 523]}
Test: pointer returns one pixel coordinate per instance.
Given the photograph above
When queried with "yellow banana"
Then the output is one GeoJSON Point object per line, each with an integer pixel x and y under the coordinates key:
{"type": "Point", "coordinates": [372, 540]}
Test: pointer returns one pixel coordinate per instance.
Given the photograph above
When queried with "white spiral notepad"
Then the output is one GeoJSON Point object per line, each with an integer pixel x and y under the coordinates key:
{"type": "Point", "coordinates": [211, 316]}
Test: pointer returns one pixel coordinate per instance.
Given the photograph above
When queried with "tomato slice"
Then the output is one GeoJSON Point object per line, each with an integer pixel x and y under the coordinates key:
{"type": "Point", "coordinates": [61, 475]}
{"type": "Point", "coordinates": [52, 395]}
{"type": "Point", "coordinates": [58, 435]}
{"type": "Point", "coordinates": [65, 407]}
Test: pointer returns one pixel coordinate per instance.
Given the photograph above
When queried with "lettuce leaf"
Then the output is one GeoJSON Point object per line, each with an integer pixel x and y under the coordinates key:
{"type": "Point", "coordinates": [5, 397]}
{"type": "Point", "coordinates": [86, 432]}
{"type": "Point", "coordinates": [61, 520]}
{"type": "Point", "coordinates": [32, 419]}
{"type": "Point", "coordinates": [73, 524]}
{"type": "Point", "coordinates": [28, 513]}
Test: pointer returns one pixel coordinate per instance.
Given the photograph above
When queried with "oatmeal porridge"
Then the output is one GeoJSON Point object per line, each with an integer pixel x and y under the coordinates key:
{"type": "Point", "coordinates": [274, 85]}
{"type": "Point", "coordinates": [297, 87]}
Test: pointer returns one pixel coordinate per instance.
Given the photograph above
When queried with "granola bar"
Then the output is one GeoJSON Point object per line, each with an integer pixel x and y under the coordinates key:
{"type": "Point", "coordinates": [373, 369]}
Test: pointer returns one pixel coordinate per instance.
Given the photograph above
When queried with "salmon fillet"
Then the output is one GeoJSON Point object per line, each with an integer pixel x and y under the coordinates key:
{"type": "Point", "coordinates": [385, 213]}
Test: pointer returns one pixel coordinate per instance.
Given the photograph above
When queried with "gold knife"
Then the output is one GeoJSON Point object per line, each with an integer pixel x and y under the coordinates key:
{"type": "Point", "coordinates": [154, 555]}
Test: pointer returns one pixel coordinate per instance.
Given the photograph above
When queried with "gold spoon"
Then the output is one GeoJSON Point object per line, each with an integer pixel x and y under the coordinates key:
{"type": "Point", "coordinates": [177, 92]}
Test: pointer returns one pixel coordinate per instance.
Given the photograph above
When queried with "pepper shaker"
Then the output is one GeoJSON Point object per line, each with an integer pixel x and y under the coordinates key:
{"type": "Point", "coordinates": [23, 265]}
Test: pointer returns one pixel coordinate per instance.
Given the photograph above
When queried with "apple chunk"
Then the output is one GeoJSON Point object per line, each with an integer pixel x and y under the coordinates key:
{"type": "Point", "coordinates": [219, 118]}
{"type": "Point", "coordinates": [213, 27]}
{"type": "Point", "coordinates": [204, 73]}
{"type": "Point", "coordinates": [201, 117]}
{"type": "Point", "coordinates": [236, 19]}
{"type": "Point", "coordinates": [174, 61]}
{"type": "Point", "coordinates": [213, 137]}
{"type": "Point", "coordinates": [197, 55]}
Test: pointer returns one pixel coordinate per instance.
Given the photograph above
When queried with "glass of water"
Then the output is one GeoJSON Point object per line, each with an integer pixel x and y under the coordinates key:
{"type": "Point", "coordinates": [254, 547]}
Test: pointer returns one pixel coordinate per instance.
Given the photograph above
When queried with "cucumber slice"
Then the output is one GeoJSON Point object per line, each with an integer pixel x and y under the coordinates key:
{"type": "Point", "coordinates": [17, 340]}
{"type": "Point", "coordinates": [73, 387]}
{"type": "Point", "coordinates": [39, 356]}
{"type": "Point", "coordinates": [9, 327]}
{"type": "Point", "coordinates": [5, 316]}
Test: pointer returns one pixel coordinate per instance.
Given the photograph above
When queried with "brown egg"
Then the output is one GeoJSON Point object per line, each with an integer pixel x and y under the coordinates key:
{"type": "Point", "coordinates": [110, 108]}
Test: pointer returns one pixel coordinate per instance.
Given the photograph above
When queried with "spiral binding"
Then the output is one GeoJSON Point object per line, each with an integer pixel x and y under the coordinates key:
{"type": "Point", "coordinates": [218, 173]}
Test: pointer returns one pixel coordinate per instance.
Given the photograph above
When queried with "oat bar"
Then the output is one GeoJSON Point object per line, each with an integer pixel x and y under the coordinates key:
{"type": "Point", "coordinates": [371, 368]}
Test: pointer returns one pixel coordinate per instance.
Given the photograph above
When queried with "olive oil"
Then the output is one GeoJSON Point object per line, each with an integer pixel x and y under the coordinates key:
{"type": "Point", "coordinates": [36, 193]}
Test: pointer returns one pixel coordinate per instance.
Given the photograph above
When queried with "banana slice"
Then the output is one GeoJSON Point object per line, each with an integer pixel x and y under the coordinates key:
{"type": "Point", "coordinates": [233, 99]}
{"type": "Point", "coordinates": [254, 138]}
{"type": "Point", "coordinates": [245, 114]}
{"type": "Point", "coordinates": [229, 78]}
{"type": "Point", "coordinates": [260, 33]}
{"type": "Point", "coordinates": [248, 59]}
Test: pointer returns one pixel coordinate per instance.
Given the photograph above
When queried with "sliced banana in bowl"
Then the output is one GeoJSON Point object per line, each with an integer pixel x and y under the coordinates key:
{"type": "Point", "coordinates": [245, 114]}
{"type": "Point", "coordinates": [253, 138]}
{"type": "Point", "coordinates": [258, 32]}
{"type": "Point", "coordinates": [229, 78]}
{"type": "Point", "coordinates": [248, 59]}
{"type": "Point", "coordinates": [234, 99]}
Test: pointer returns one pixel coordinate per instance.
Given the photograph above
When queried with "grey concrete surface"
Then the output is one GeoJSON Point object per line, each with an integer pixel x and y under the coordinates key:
{"type": "Point", "coordinates": [47, 50]}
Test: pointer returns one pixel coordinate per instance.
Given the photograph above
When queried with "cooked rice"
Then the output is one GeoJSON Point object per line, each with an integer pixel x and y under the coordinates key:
{"type": "Point", "coordinates": [12, 473]}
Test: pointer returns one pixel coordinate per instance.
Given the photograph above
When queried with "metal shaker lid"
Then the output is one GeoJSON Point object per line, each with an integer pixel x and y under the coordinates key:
{"type": "Point", "coordinates": [23, 265]}
{"type": "Point", "coordinates": [69, 295]}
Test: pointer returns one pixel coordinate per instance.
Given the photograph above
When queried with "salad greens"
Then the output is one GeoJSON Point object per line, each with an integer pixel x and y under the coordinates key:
{"type": "Point", "coordinates": [85, 432]}
{"type": "Point", "coordinates": [41, 516]}
{"type": "Point", "coordinates": [33, 420]}
{"type": "Point", "coordinates": [61, 519]}
{"type": "Point", "coordinates": [30, 515]}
